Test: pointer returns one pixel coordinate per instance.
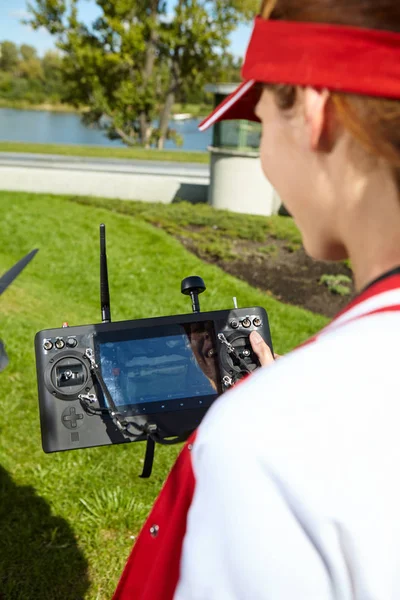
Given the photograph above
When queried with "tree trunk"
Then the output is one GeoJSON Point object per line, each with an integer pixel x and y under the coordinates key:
{"type": "Point", "coordinates": [127, 139]}
{"type": "Point", "coordinates": [169, 102]}
{"type": "Point", "coordinates": [164, 118]}
{"type": "Point", "coordinates": [145, 130]}
{"type": "Point", "coordinates": [144, 123]}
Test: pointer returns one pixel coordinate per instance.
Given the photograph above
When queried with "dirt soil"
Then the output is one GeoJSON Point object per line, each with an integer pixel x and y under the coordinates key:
{"type": "Point", "coordinates": [289, 276]}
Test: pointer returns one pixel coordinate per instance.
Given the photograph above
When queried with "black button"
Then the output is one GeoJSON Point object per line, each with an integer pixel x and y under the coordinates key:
{"type": "Point", "coordinates": [234, 324]}
{"type": "Point", "coordinates": [72, 342]}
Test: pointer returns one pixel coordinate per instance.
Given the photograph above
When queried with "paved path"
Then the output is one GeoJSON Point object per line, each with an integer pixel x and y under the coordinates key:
{"type": "Point", "coordinates": [110, 177]}
{"type": "Point", "coordinates": [113, 165]}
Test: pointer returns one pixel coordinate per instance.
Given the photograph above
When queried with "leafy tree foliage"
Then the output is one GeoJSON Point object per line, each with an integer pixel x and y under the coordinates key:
{"type": "Point", "coordinates": [27, 52]}
{"type": "Point", "coordinates": [52, 64]}
{"type": "Point", "coordinates": [26, 77]}
{"type": "Point", "coordinates": [9, 56]}
{"type": "Point", "coordinates": [30, 66]}
{"type": "Point", "coordinates": [131, 64]}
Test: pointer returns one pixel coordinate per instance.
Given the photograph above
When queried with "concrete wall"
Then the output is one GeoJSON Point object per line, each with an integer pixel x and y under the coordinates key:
{"type": "Point", "coordinates": [237, 182]}
{"type": "Point", "coordinates": [128, 180]}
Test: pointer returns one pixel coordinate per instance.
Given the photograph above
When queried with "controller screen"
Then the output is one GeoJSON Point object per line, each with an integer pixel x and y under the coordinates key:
{"type": "Point", "coordinates": [174, 369]}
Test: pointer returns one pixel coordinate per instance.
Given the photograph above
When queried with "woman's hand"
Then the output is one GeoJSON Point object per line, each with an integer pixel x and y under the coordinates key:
{"type": "Point", "coordinates": [261, 349]}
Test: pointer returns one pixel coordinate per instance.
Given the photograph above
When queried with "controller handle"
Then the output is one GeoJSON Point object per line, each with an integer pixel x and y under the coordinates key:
{"type": "Point", "coordinates": [193, 286]}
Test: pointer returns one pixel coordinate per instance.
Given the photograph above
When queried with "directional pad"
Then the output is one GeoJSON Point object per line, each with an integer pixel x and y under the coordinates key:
{"type": "Point", "coordinates": [71, 419]}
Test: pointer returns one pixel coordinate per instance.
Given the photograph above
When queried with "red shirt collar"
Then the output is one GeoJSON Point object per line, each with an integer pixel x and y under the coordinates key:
{"type": "Point", "coordinates": [387, 284]}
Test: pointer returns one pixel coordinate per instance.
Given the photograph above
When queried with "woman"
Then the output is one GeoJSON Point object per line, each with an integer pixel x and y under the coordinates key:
{"type": "Point", "coordinates": [291, 489]}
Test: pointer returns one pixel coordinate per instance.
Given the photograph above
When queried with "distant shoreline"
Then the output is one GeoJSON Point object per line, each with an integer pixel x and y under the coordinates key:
{"type": "Point", "coordinates": [196, 111]}
{"type": "Point", "coordinates": [45, 107]}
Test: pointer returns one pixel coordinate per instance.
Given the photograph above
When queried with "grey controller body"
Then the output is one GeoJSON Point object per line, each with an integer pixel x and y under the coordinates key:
{"type": "Point", "coordinates": [166, 371]}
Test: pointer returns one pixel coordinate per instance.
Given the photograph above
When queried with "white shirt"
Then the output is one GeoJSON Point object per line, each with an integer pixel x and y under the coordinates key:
{"type": "Point", "coordinates": [298, 473]}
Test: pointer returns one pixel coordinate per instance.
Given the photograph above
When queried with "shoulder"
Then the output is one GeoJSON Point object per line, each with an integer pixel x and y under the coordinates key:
{"type": "Point", "coordinates": [307, 397]}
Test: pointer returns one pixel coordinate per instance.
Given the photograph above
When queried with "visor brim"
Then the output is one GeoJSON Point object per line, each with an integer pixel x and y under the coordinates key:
{"type": "Point", "coordinates": [238, 105]}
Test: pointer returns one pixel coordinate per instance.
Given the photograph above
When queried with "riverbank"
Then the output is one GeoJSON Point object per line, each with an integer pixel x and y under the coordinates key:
{"type": "Point", "coordinates": [45, 106]}
{"type": "Point", "coordinates": [195, 111]}
{"type": "Point", "coordinates": [106, 152]}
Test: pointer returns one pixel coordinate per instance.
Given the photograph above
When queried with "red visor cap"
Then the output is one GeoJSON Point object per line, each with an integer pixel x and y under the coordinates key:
{"type": "Point", "coordinates": [337, 57]}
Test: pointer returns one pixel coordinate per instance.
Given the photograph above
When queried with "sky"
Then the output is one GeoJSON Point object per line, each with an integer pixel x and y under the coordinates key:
{"type": "Point", "coordinates": [11, 28]}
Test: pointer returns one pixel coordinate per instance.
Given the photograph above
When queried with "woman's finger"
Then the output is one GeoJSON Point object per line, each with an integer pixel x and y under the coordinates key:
{"type": "Point", "coordinates": [261, 349]}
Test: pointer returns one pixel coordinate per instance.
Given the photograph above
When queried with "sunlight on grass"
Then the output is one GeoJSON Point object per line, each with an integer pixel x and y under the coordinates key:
{"type": "Point", "coordinates": [214, 233]}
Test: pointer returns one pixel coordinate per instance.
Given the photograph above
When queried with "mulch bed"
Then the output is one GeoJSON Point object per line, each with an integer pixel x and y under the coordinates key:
{"type": "Point", "coordinates": [289, 276]}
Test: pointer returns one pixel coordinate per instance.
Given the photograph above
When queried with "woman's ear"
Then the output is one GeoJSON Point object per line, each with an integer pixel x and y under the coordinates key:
{"type": "Point", "coordinates": [320, 119]}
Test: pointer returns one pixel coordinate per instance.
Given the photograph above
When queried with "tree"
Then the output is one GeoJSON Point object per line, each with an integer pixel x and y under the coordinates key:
{"type": "Point", "coordinates": [129, 64]}
{"type": "Point", "coordinates": [52, 65]}
{"type": "Point", "coordinates": [9, 56]}
{"type": "Point", "coordinates": [28, 52]}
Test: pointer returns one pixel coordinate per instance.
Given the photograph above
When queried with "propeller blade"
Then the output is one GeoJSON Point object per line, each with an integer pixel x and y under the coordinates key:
{"type": "Point", "coordinates": [9, 277]}
{"type": "Point", "coordinates": [3, 357]}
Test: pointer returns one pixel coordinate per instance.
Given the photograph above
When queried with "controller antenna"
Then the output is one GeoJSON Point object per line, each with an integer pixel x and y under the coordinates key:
{"type": "Point", "coordinates": [193, 286]}
{"type": "Point", "coordinates": [104, 287]}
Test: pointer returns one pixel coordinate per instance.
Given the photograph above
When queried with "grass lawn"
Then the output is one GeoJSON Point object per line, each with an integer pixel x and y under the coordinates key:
{"type": "Point", "coordinates": [214, 233]}
{"type": "Point", "coordinates": [68, 520]}
{"type": "Point", "coordinates": [106, 152]}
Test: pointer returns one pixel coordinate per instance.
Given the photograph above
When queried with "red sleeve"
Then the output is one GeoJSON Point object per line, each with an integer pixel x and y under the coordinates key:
{"type": "Point", "coordinates": [152, 570]}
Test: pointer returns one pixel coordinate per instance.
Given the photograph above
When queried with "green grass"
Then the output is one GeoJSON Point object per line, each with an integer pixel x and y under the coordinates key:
{"type": "Point", "coordinates": [215, 234]}
{"type": "Point", "coordinates": [269, 250]}
{"type": "Point", "coordinates": [106, 152]}
{"type": "Point", "coordinates": [337, 284]}
{"type": "Point", "coordinates": [67, 520]}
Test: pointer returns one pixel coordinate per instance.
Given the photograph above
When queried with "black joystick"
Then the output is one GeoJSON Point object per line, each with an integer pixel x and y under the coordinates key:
{"type": "Point", "coordinates": [193, 286]}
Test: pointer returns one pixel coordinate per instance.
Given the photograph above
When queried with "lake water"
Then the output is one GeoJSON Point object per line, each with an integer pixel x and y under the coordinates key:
{"type": "Point", "coordinates": [67, 128]}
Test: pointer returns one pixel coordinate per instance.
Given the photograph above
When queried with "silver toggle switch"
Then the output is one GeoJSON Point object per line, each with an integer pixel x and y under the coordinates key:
{"type": "Point", "coordinates": [227, 381]}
